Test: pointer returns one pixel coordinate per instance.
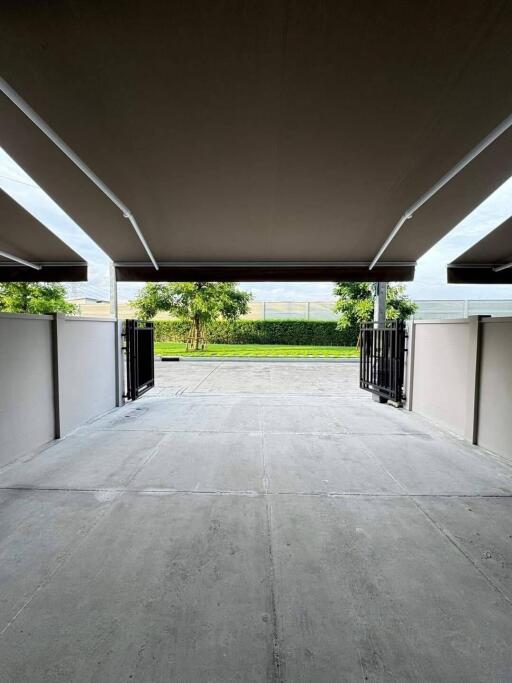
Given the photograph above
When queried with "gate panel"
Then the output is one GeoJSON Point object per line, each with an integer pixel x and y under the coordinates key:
{"type": "Point", "coordinates": [383, 348]}
{"type": "Point", "coordinates": [140, 358]}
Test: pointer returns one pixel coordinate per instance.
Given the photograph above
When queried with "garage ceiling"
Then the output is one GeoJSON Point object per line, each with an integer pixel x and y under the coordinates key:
{"type": "Point", "coordinates": [489, 261]}
{"type": "Point", "coordinates": [267, 140]}
{"type": "Point", "coordinates": [25, 239]}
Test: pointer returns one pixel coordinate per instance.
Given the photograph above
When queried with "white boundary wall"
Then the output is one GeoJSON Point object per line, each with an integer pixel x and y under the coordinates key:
{"type": "Point", "coordinates": [26, 384]}
{"type": "Point", "coordinates": [460, 376]}
{"type": "Point", "coordinates": [495, 406]}
{"type": "Point", "coordinates": [56, 372]}
{"type": "Point", "coordinates": [440, 372]}
{"type": "Point", "coordinates": [87, 373]}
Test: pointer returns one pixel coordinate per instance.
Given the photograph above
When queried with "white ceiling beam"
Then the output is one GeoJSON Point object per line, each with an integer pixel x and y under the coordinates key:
{"type": "Point", "coordinates": [467, 159]}
{"type": "Point", "coordinates": [505, 266]}
{"type": "Point", "coordinates": [65, 149]}
{"type": "Point", "coordinates": [264, 264]}
{"type": "Point", "coordinates": [18, 259]}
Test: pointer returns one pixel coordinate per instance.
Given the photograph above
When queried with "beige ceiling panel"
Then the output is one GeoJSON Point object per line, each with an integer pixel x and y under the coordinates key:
{"type": "Point", "coordinates": [261, 133]}
{"type": "Point", "coordinates": [25, 238]}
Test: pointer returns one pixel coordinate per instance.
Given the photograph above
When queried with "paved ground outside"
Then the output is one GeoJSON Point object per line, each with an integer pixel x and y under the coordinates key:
{"type": "Point", "coordinates": [256, 522]}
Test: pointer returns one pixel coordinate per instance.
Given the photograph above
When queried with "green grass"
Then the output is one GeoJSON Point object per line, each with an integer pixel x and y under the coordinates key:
{"type": "Point", "coordinates": [257, 350]}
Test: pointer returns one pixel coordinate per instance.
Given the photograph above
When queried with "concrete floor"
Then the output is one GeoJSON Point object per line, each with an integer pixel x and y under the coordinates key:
{"type": "Point", "coordinates": [256, 522]}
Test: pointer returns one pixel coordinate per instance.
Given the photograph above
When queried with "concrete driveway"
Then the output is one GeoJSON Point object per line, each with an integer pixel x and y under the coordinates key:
{"type": "Point", "coordinates": [256, 522]}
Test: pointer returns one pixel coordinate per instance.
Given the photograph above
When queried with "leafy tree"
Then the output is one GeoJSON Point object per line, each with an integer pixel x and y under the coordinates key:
{"type": "Point", "coordinates": [152, 298]}
{"type": "Point", "coordinates": [34, 297]}
{"type": "Point", "coordinates": [199, 303]}
{"type": "Point", "coordinates": [356, 302]}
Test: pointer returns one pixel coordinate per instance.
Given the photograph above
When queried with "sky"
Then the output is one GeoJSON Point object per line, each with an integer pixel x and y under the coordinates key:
{"type": "Point", "coordinates": [429, 283]}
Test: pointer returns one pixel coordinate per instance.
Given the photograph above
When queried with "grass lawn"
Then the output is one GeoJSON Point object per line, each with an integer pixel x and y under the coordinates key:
{"type": "Point", "coordinates": [259, 350]}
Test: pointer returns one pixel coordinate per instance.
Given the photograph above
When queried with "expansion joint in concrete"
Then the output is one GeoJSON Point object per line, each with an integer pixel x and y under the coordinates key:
{"type": "Point", "coordinates": [461, 550]}
{"type": "Point", "coordinates": [276, 667]}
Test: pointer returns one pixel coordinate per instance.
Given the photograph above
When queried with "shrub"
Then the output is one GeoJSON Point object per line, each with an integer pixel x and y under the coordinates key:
{"type": "Point", "coordinates": [291, 332]}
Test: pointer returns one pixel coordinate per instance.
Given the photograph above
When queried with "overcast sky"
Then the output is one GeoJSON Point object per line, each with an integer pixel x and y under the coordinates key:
{"type": "Point", "coordinates": [430, 281]}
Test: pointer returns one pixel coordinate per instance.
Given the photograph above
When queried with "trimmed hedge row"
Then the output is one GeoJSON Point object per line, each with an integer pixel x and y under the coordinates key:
{"type": "Point", "coordinates": [292, 332]}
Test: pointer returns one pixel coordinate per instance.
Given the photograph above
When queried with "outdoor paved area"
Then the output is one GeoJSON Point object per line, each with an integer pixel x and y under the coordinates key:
{"type": "Point", "coordinates": [256, 522]}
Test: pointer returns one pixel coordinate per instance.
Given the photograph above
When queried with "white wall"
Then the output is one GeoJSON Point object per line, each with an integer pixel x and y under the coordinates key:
{"type": "Point", "coordinates": [440, 372]}
{"type": "Point", "coordinates": [495, 401]}
{"type": "Point", "coordinates": [55, 374]}
{"type": "Point", "coordinates": [87, 373]}
{"type": "Point", "coordinates": [461, 378]}
{"type": "Point", "coordinates": [26, 384]}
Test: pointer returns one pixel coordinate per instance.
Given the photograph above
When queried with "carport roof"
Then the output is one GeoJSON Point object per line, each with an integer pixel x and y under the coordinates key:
{"type": "Point", "coordinates": [265, 140]}
{"type": "Point", "coordinates": [25, 238]}
{"type": "Point", "coordinates": [489, 261]}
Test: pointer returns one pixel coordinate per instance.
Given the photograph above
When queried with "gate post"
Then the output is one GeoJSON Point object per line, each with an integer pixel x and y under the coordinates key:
{"type": "Point", "coordinates": [113, 291]}
{"type": "Point", "coordinates": [57, 322]}
{"type": "Point", "coordinates": [409, 383]}
{"type": "Point", "coordinates": [379, 316]}
{"type": "Point", "coordinates": [379, 310]}
{"type": "Point", "coordinates": [473, 374]}
{"type": "Point", "coordinates": [118, 338]}
{"type": "Point", "coordinates": [119, 362]}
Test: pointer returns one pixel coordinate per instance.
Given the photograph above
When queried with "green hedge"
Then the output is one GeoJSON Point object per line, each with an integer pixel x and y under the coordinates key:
{"type": "Point", "coordinates": [293, 332]}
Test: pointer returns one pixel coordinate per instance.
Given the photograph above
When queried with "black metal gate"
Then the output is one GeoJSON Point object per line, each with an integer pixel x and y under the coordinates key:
{"type": "Point", "coordinates": [140, 358]}
{"type": "Point", "coordinates": [383, 348]}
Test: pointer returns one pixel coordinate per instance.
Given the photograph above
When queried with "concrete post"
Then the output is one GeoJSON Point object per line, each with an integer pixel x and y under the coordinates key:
{"type": "Point", "coordinates": [379, 311]}
{"type": "Point", "coordinates": [409, 384]}
{"type": "Point", "coordinates": [379, 316]}
{"type": "Point", "coordinates": [58, 321]}
{"type": "Point", "coordinates": [118, 338]}
{"type": "Point", "coordinates": [119, 356]}
{"type": "Point", "coordinates": [113, 291]}
{"type": "Point", "coordinates": [473, 374]}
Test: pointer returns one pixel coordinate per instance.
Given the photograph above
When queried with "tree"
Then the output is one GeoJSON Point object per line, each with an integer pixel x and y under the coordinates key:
{"type": "Point", "coordinates": [197, 302]}
{"type": "Point", "coordinates": [34, 297]}
{"type": "Point", "coordinates": [356, 301]}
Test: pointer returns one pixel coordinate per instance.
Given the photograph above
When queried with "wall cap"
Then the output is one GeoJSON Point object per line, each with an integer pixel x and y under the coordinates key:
{"type": "Point", "coordinates": [25, 316]}
{"type": "Point", "coordinates": [441, 321]}
{"type": "Point", "coordinates": [78, 318]}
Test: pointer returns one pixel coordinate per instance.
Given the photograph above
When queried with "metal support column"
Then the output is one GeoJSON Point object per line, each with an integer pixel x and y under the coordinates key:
{"type": "Point", "coordinates": [57, 322]}
{"type": "Point", "coordinates": [118, 338]}
{"type": "Point", "coordinates": [379, 316]}
{"type": "Point", "coordinates": [119, 358]}
{"type": "Point", "coordinates": [113, 291]}
{"type": "Point", "coordinates": [379, 311]}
